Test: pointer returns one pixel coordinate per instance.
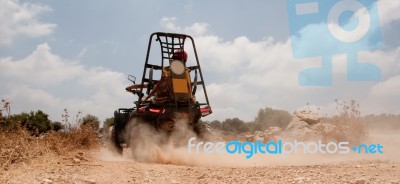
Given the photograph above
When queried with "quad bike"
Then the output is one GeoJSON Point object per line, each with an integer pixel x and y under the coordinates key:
{"type": "Point", "coordinates": [181, 103]}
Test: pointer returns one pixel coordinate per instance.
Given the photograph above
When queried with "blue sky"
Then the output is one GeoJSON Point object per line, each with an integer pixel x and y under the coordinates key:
{"type": "Point", "coordinates": [76, 55]}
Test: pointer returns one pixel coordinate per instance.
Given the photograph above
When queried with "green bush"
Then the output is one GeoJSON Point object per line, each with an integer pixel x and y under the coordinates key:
{"type": "Point", "coordinates": [216, 125]}
{"type": "Point", "coordinates": [35, 122]}
{"type": "Point", "coordinates": [269, 117]}
{"type": "Point", "coordinates": [108, 123]}
{"type": "Point", "coordinates": [234, 125]}
{"type": "Point", "coordinates": [91, 121]}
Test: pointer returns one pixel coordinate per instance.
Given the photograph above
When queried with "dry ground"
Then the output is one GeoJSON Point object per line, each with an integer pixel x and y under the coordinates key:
{"type": "Point", "coordinates": [101, 166]}
{"type": "Point", "coordinates": [93, 169]}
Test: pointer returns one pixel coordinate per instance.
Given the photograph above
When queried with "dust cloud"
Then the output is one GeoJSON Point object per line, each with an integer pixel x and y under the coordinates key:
{"type": "Point", "coordinates": [156, 147]}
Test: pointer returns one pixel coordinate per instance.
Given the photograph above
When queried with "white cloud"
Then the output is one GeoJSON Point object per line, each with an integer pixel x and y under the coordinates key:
{"type": "Point", "coordinates": [21, 19]}
{"type": "Point", "coordinates": [258, 74]}
{"type": "Point", "coordinates": [387, 60]}
{"type": "Point", "coordinates": [44, 80]}
{"type": "Point", "coordinates": [31, 98]}
{"type": "Point", "coordinates": [389, 88]}
{"type": "Point", "coordinates": [41, 67]}
{"type": "Point", "coordinates": [195, 29]}
{"type": "Point", "coordinates": [384, 97]}
{"type": "Point", "coordinates": [388, 11]}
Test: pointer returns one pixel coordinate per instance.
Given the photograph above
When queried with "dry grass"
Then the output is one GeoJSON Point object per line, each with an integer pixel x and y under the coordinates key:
{"type": "Point", "coordinates": [76, 138]}
{"type": "Point", "coordinates": [17, 145]}
{"type": "Point", "coordinates": [348, 124]}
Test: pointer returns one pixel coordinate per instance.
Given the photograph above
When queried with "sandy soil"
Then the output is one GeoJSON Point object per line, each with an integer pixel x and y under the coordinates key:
{"type": "Point", "coordinates": [101, 166]}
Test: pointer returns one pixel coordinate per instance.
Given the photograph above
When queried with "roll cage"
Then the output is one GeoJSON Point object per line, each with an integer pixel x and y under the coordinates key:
{"type": "Point", "coordinates": [169, 44]}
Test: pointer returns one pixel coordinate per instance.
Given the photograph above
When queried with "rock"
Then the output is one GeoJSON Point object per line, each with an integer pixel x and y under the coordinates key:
{"type": "Point", "coordinates": [296, 125]}
{"type": "Point", "coordinates": [174, 182]}
{"type": "Point", "coordinates": [76, 161]}
{"type": "Point", "coordinates": [90, 181]}
{"type": "Point", "coordinates": [47, 181]}
{"type": "Point", "coordinates": [202, 176]}
{"type": "Point", "coordinates": [147, 179]}
{"type": "Point", "coordinates": [249, 138]}
{"type": "Point", "coordinates": [298, 130]}
{"type": "Point", "coordinates": [258, 135]}
{"type": "Point", "coordinates": [307, 116]}
{"type": "Point", "coordinates": [272, 134]}
{"type": "Point", "coordinates": [273, 131]}
{"type": "Point", "coordinates": [360, 181]}
{"type": "Point", "coordinates": [80, 156]}
{"type": "Point", "coordinates": [299, 180]}
{"type": "Point", "coordinates": [324, 128]}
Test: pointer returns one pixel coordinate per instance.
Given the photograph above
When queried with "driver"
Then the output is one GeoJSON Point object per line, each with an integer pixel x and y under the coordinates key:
{"type": "Point", "coordinates": [162, 90]}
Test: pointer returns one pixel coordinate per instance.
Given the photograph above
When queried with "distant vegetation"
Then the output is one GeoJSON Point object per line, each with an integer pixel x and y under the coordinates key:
{"type": "Point", "coordinates": [265, 118]}
{"type": "Point", "coordinates": [37, 122]}
{"type": "Point", "coordinates": [386, 121]}
{"type": "Point", "coordinates": [269, 117]}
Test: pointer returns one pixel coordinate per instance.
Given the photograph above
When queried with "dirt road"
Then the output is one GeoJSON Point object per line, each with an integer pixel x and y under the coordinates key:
{"type": "Point", "coordinates": [101, 167]}
{"type": "Point", "coordinates": [127, 171]}
{"type": "Point", "coordinates": [178, 166]}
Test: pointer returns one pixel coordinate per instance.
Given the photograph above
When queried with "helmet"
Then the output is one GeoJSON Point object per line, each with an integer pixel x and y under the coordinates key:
{"type": "Point", "coordinates": [180, 55]}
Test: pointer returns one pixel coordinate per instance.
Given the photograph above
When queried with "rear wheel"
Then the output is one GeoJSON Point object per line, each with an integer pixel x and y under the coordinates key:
{"type": "Point", "coordinates": [117, 138]}
{"type": "Point", "coordinates": [115, 144]}
{"type": "Point", "coordinates": [167, 125]}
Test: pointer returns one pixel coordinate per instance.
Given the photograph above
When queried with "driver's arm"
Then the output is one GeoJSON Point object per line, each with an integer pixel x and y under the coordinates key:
{"type": "Point", "coordinates": [155, 88]}
{"type": "Point", "coordinates": [153, 91]}
{"type": "Point", "coordinates": [136, 86]}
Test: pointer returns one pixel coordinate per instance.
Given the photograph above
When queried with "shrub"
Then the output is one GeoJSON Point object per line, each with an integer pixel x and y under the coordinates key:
{"type": "Point", "coordinates": [91, 121]}
{"type": "Point", "coordinates": [108, 123]}
{"type": "Point", "coordinates": [216, 124]}
{"type": "Point", "coordinates": [234, 124]}
{"type": "Point", "coordinates": [269, 117]}
{"type": "Point", "coordinates": [19, 145]}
